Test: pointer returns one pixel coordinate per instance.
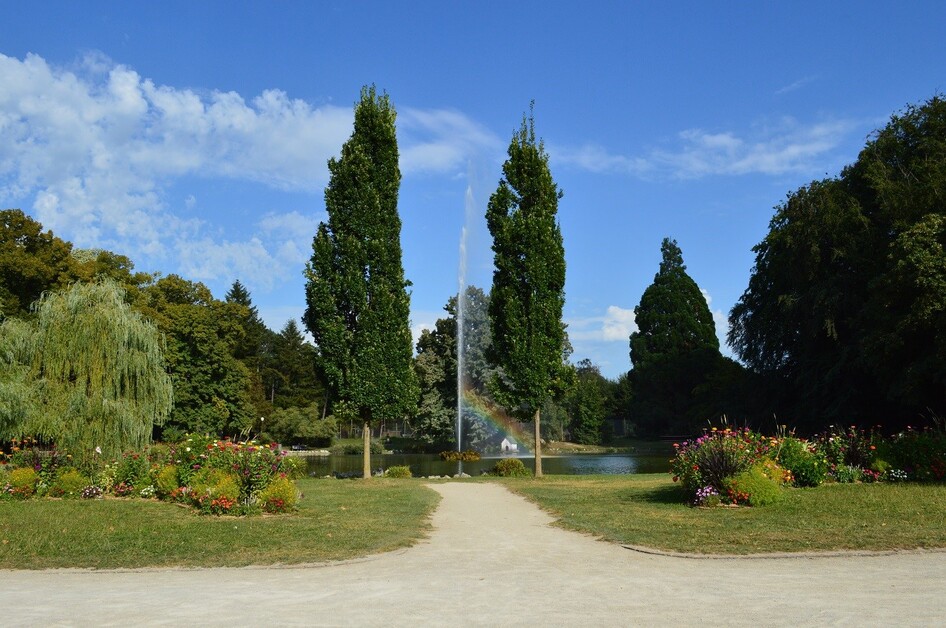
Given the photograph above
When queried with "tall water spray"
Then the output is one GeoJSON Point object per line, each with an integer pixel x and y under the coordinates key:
{"type": "Point", "coordinates": [461, 308]}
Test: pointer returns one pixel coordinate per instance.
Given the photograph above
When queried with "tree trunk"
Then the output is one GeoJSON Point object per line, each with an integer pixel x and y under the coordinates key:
{"type": "Point", "coordinates": [538, 445]}
{"type": "Point", "coordinates": [366, 437]}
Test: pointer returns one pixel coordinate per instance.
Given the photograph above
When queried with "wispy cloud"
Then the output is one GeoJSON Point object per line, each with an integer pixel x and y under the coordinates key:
{"type": "Point", "coordinates": [441, 140]}
{"type": "Point", "coordinates": [791, 87]}
{"type": "Point", "coordinates": [770, 148]}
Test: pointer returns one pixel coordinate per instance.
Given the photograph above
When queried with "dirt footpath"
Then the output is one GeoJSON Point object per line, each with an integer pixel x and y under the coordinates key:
{"type": "Point", "coordinates": [494, 560]}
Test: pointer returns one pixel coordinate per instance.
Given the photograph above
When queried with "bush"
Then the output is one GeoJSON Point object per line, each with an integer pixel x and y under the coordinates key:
{"type": "Point", "coordinates": [753, 487]}
{"type": "Point", "coordinates": [510, 468]}
{"type": "Point", "coordinates": [848, 447]}
{"type": "Point", "coordinates": [165, 481]}
{"type": "Point", "coordinates": [716, 456]}
{"type": "Point", "coordinates": [214, 491]}
{"type": "Point", "coordinates": [132, 470]}
{"type": "Point", "coordinates": [461, 456]}
{"type": "Point", "coordinates": [808, 468]}
{"type": "Point", "coordinates": [398, 472]}
{"type": "Point", "coordinates": [68, 483]}
{"type": "Point", "coordinates": [23, 482]}
{"type": "Point", "coordinates": [921, 454]}
{"type": "Point", "coordinates": [294, 467]}
{"type": "Point", "coordinates": [280, 496]}
{"type": "Point", "coordinates": [352, 449]}
{"type": "Point", "coordinates": [848, 474]}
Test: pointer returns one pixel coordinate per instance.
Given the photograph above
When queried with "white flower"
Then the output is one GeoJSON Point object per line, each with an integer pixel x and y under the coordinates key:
{"type": "Point", "coordinates": [98, 450]}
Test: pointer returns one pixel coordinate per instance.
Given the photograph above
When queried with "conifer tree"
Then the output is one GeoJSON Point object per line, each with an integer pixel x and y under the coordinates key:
{"type": "Point", "coordinates": [358, 305]}
{"type": "Point", "coordinates": [528, 291]}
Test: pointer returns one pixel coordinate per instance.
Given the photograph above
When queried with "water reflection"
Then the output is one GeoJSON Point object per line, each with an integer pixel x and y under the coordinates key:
{"type": "Point", "coordinates": [427, 465]}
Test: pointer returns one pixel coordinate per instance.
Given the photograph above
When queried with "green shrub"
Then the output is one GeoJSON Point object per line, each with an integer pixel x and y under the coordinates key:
{"type": "Point", "coordinates": [848, 474]}
{"type": "Point", "coordinates": [808, 468]}
{"type": "Point", "coordinates": [352, 449]}
{"type": "Point", "coordinates": [398, 472]}
{"type": "Point", "coordinates": [294, 467]}
{"type": "Point", "coordinates": [753, 487]}
{"type": "Point", "coordinates": [23, 482]}
{"type": "Point", "coordinates": [510, 468]}
{"type": "Point", "coordinates": [132, 470]}
{"type": "Point", "coordinates": [214, 491]}
{"type": "Point", "coordinates": [166, 482]}
{"type": "Point", "coordinates": [921, 454]}
{"type": "Point", "coordinates": [68, 483]}
{"type": "Point", "coordinates": [280, 496]}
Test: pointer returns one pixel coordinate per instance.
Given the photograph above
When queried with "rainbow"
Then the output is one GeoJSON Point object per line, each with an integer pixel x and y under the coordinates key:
{"type": "Point", "coordinates": [485, 410]}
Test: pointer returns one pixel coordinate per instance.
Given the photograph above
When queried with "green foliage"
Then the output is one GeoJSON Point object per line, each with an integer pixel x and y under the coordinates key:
{"type": "Point", "coordinates": [22, 482]}
{"type": "Point", "coordinates": [352, 449]}
{"type": "Point", "coordinates": [214, 491]}
{"type": "Point", "coordinates": [69, 482]}
{"type": "Point", "coordinates": [357, 304]}
{"type": "Point", "coordinates": [96, 372]}
{"type": "Point", "coordinates": [211, 387]}
{"type": "Point", "coordinates": [398, 472]}
{"type": "Point", "coordinates": [807, 466]}
{"type": "Point", "coordinates": [293, 382]}
{"type": "Point", "coordinates": [301, 426]}
{"type": "Point", "coordinates": [280, 496]}
{"type": "Point", "coordinates": [166, 480]}
{"type": "Point", "coordinates": [845, 310]}
{"type": "Point", "coordinates": [754, 487]}
{"type": "Point", "coordinates": [31, 262]}
{"type": "Point", "coordinates": [460, 456]}
{"type": "Point", "coordinates": [921, 454]}
{"type": "Point", "coordinates": [586, 403]}
{"type": "Point", "coordinates": [847, 446]}
{"type": "Point", "coordinates": [510, 468]}
{"type": "Point", "coordinates": [716, 456]}
{"type": "Point", "coordinates": [678, 370]}
{"type": "Point", "coordinates": [132, 471]}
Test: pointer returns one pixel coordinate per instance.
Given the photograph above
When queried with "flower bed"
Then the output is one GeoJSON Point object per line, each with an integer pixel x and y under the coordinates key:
{"type": "Point", "coordinates": [740, 466]}
{"type": "Point", "coordinates": [213, 476]}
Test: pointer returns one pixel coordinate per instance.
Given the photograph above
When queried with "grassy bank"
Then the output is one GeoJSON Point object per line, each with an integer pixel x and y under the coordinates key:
{"type": "Point", "coordinates": [336, 520]}
{"type": "Point", "coordinates": [647, 510]}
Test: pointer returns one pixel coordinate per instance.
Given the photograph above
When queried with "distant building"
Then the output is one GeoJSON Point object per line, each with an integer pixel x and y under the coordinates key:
{"type": "Point", "coordinates": [508, 446]}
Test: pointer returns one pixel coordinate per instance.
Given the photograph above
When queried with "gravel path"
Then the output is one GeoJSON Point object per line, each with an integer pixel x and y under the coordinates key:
{"type": "Point", "coordinates": [493, 559]}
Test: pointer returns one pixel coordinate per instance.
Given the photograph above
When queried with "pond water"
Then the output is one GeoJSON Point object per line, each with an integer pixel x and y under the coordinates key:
{"type": "Point", "coordinates": [431, 464]}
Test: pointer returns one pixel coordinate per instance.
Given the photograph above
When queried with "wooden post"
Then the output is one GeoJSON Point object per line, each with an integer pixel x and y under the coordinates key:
{"type": "Point", "coordinates": [538, 445]}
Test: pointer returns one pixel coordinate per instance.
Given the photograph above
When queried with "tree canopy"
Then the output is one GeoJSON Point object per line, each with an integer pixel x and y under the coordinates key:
{"type": "Point", "coordinates": [528, 293]}
{"type": "Point", "coordinates": [844, 313]}
{"type": "Point", "coordinates": [94, 371]}
{"type": "Point", "coordinates": [358, 306]}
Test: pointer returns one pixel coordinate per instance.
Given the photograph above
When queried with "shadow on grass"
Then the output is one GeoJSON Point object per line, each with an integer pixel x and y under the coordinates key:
{"type": "Point", "coordinates": [672, 494]}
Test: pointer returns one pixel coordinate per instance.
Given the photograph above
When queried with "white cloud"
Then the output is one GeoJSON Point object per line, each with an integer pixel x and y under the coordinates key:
{"type": "Point", "coordinates": [93, 148]}
{"type": "Point", "coordinates": [772, 149]}
{"type": "Point", "coordinates": [720, 320]}
{"type": "Point", "coordinates": [616, 325]}
{"type": "Point", "coordinates": [441, 140]}
{"type": "Point", "coordinates": [796, 85]}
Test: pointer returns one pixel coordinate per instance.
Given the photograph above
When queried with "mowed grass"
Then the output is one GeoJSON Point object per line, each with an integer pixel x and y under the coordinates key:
{"type": "Point", "coordinates": [647, 511]}
{"type": "Point", "coordinates": [336, 520]}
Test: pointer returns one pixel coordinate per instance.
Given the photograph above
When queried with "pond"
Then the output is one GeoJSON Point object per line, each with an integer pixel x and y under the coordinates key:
{"type": "Point", "coordinates": [431, 464]}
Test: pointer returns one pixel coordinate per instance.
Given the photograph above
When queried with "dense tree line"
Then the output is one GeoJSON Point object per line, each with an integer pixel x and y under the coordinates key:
{"type": "Point", "coordinates": [844, 318]}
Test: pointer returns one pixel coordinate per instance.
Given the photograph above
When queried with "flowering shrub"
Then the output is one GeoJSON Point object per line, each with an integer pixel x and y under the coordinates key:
{"type": "Point", "coordinates": [753, 487]}
{"type": "Point", "coordinates": [847, 447]}
{"type": "Point", "coordinates": [165, 480]}
{"type": "Point", "coordinates": [280, 496]}
{"type": "Point", "coordinates": [921, 454]}
{"type": "Point", "coordinates": [717, 455]}
{"type": "Point", "coordinates": [69, 483]}
{"type": "Point", "coordinates": [91, 492]}
{"type": "Point", "coordinates": [22, 482]}
{"type": "Point", "coordinates": [806, 465]}
{"type": "Point", "coordinates": [706, 496]}
{"type": "Point", "coordinates": [132, 470]}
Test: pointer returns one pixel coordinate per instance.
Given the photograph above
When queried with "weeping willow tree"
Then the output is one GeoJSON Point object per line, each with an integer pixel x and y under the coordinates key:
{"type": "Point", "coordinates": [97, 371]}
{"type": "Point", "coordinates": [17, 388]}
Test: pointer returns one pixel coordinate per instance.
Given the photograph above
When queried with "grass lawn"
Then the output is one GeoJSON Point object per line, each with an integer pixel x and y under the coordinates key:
{"type": "Point", "coordinates": [647, 510]}
{"type": "Point", "coordinates": [336, 520]}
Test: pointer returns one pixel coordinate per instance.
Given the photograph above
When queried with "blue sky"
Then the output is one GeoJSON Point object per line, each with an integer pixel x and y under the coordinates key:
{"type": "Point", "coordinates": [193, 136]}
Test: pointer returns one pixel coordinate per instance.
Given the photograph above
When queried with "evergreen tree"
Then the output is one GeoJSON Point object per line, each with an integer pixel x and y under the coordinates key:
{"type": "Point", "coordinates": [294, 361]}
{"type": "Point", "coordinates": [674, 350]}
{"type": "Point", "coordinates": [358, 305]}
{"type": "Point", "coordinates": [528, 291]}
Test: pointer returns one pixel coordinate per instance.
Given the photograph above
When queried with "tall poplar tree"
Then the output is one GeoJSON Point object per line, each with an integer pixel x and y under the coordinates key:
{"type": "Point", "coordinates": [528, 291]}
{"type": "Point", "coordinates": [358, 305]}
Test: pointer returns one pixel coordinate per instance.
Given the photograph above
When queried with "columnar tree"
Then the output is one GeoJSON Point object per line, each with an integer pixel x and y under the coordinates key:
{"type": "Point", "coordinates": [528, 291]}
{"type": "Point", "coordinates": [96, 371]}
{"type": "Point", "coordinates": [675, 347]}
{"type": "Point", "coordinates": [358, 305]}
